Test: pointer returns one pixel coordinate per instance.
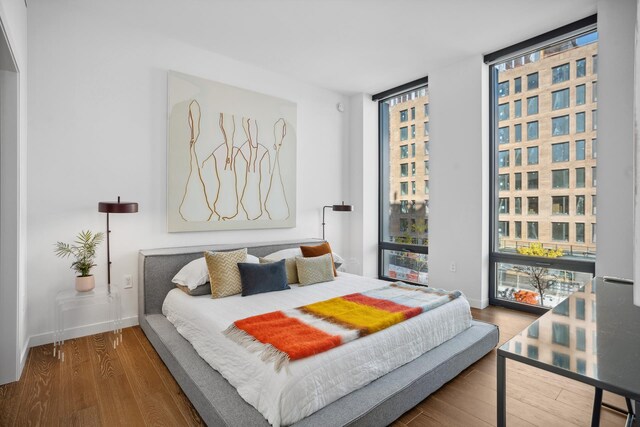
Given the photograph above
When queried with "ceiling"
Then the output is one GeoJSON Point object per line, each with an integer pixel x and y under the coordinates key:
{"type": "Point", "coordinates": [349, 46]}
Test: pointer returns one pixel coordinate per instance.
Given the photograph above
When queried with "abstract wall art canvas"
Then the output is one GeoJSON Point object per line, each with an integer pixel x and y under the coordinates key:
{"type": "Point", "coordinates": [231, 157]}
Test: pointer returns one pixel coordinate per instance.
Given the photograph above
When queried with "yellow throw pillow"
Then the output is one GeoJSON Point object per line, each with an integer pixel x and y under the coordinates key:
{"type": "Point", "coordinates": [315, 269]}
{"type": "Point", "coordinates": [289, 265]}
{"type": "Point", "coordinates": [224, 274]}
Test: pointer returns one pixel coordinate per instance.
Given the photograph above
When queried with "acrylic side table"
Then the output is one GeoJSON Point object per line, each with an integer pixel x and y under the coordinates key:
{"type": "Point", "coordinates": [70, 299]}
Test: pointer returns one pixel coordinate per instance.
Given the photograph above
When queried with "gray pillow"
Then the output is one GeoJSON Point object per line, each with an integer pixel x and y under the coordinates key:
{"type": "Point", "coordinates": [315, 269]}
{"type": "Point", "coordinates": [261, 278]}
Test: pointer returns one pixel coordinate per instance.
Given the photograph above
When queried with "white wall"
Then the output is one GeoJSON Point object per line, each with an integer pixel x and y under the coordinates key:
{"type": "Point", "coordinates": [13, 15]}
{"type": "Point", "coordinates": [363, 163]}
{"type": "Point", "coordinates": [458, 179]}
{"type": "Point", "coordinates": [97, 127]}
{"type": "Point", "coordinates": [616, 28]}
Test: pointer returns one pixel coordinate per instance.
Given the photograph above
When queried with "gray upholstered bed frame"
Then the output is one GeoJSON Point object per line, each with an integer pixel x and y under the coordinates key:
{"type": "Point", "coordinates": [219, 404]}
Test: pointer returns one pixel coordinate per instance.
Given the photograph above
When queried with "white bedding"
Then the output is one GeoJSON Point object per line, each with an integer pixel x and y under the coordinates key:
{"type": "Point", "coordinates": [312, 383]}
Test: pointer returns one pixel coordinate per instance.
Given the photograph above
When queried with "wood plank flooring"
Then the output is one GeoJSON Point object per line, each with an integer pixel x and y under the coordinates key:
{"type": "Point", "coordinates": [130, 385]}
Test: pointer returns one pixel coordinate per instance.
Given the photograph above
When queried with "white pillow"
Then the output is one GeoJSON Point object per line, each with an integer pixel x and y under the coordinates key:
{"type": "Point", "coordinates": [294, 252]}
{"type": "Point", "coordinates": [196, 273]}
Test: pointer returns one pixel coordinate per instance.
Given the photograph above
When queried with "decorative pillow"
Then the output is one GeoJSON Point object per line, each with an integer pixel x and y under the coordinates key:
{"type": "Point", "coordinates": [294, 252]}
{"type": "Point", "coordinates": [224, 274]}
{"type": "Point", "coordinates": [260, 278]}
{"type": "Point", "coordinates": [290, 267]}
{"type": "Point", "coordinates": [196, 274]}
{"type": "Point", "coordinates": [313, 251]}
{"type": "Point", "coordinates": [315, 269]}
{"type": "Point", "coordinates": [200, 290]}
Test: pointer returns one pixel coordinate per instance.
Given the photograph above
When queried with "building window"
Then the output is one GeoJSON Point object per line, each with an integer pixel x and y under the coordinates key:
{"type": "Point", "coordinates": [560, 178]}
{"type": "Point", "coordinates": [532, 230]}
{"type": "Point", "coordinates": [517, 108]}
{"type": "Point", "coordinates": [532, 105]}
{"type": "Point", "coordinates": [426, 167]}
{"type": "Point", "coordinates": [594, 148]}
{"type": "Point", "coordinates": [404, 169]}
{"type": "Point", "coordinates": [404, 208]}
{"type": "Point", "coordinates": [560, 73]}
{"type": "Point", "coordinates": [404, 188]}
{"type": "Point", "coordinates": [593, 176]}
{"type": "Point", "coordinates": [579, 205]}
{"type": "Point", "coordinates": [413, 168]}
{"type": "Point", "coordinates": [532, 180]}
{"type": "Point", "coordinates": [532, 155]}
{"type": "Point", "coordinates": [426, 186]}
{"type": "Point", "coordinates": [503, 229]}
{"type": "Point", "coordinates": [560, 334]}
{"type": "Point", "coordinates": [580, 232]}
{"type": "Point", "coordinates": [426, 109]}
{"type": "Point", "coordinates": [503, 182]}
{"type": "Point", "coordinates": [560, 205]}
{"type": "Point", "coordinates": [593, 204]}
{"type": "Point", "coordinates": [560, 99]}
{"type": "Point", "coordinates": [517, 130]}
{"type": "Point", "coordinates": [503, 159]}
{"type": "Point", "coordinates": [517, 205]}
{"type": "Point", "coordinates": [560, 231]}
{"type": "Point", "coordinates": [593, 233]}
{"type": "Point", "coordinates": [594, 120]}
{"type": "Point", "coordinates": [594, 65]}
{"type": "Point", "coordinates": [517, 85]}
{"type": "Point", "coordinates": [413, 113]}
{"type": "Point", "coordinates": [413, 131]}
{"type": "Point", "coordinates": [532, 81]}
{"type": "Point", "coordinates": [580, 122]}
{"type": "Point", "coordinates": [594, 92]}
{"type": "Point", "coordinates": [580, 145]}
{"type": "Point", "coordinates": [503, 135]}
{"type": "Point", "coordinates": [532, 131]}
{"type": "Point", "coordinates": [581, 67]}
{"type": "Point", "coordinates": [413, 149]}
{"type": "Point", "coordinates": [413, 188]}
{"type": "Point", "coordinates": [404, 133]}
{"type": "Point", "coordinates": [404, 225]}
{"type": "Point", "coordinates": [503, 89]}
{"type": "Point", "coordinates": [404, 116]}
{"type": "Point", "coordinates": [517, 156]}
{"type": "Point", "coordinates": [560, 126]}
{"type": "Point", "coordinates": [581, 94]}
{"type": "Point", "coordinates": [517, 232]}
{"type": "Point", "coordinates": [517, 181]}
{"type": "Point", "coordinates": [426, 147]}
{"type": "Point", "coordinates": [581, 336]}
{"type": "Point", "coordinates": [503, 205]}
{"type": "Point", "coordinates": [580, 178]}
{"type": "Point", "coordinates": [560, 152]}
{"type": "Point", "coordinates": [404, 151]}
{"type": "Point", "coordinates": [426, 128]}
{"type": "Point", "coordinates": [532, 205]}
{"type": "Point", "coordinates": [503, 111]}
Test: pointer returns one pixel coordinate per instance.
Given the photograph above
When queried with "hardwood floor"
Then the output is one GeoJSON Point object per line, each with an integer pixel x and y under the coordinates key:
{"type": "Point", "coordinates": [129, 385]}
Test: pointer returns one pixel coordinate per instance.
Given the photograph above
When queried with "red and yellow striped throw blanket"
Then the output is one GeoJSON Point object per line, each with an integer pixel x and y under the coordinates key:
{"type": "Point", "coordinates": [282, 336]}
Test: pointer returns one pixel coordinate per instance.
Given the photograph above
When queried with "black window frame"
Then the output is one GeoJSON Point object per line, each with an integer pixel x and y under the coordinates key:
{"type": "Point", "coordinates": [573, 29]}
{"type": "Point", "coordinates": [384, 245]}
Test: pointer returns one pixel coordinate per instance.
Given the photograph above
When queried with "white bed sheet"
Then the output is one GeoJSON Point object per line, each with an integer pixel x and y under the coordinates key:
{"type": "Point", "coordinates": [309, 384]}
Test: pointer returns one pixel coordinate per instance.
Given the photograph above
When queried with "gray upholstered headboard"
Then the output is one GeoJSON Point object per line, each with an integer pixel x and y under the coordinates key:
{"type": "Point", "coordinates": [156, 267]}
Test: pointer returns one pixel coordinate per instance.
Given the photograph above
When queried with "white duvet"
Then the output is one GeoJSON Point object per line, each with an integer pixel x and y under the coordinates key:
{"type": "Point", "coordinates": [309, 384]}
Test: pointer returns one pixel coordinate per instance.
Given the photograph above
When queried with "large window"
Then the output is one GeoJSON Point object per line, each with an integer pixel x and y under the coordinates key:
{"type": "Point", "coordinates": [404, 204]}
{"type": "Point", "coordinates": [542, 247]}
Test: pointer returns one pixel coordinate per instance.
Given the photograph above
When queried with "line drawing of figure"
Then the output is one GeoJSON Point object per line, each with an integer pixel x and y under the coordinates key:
{"type": "Point", "coordinates": [195, 202]}
{"type": "Point", "coordinates": [257, 163]}
{"type": "Point", "coordinates": [225, 204]}
{"type": "Point", "coordinates": [276, 203]}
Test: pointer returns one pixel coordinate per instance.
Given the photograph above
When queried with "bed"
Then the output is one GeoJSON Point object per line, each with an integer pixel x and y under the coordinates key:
{"type": "Point", "coordinates": [219, 403]}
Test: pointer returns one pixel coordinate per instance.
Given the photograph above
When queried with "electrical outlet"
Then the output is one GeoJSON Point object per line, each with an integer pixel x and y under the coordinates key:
{"type": "Point", "coordinates": [453, 267]}
{"type": "Point", "coordinates": [128, 282]}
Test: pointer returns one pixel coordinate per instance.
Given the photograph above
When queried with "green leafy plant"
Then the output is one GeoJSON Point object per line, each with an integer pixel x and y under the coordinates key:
{"type": "Point", "coordinates": [83, 250]}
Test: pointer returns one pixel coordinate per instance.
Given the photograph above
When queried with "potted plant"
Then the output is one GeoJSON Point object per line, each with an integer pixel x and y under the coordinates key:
{"type": "Point", "coordinates": [83, 250]}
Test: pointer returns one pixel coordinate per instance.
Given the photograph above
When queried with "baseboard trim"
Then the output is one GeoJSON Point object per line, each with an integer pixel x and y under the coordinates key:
{"type": "Point", "coordinates": [80, 331]}
{"type": "Point", "coordinates": [478, 303]}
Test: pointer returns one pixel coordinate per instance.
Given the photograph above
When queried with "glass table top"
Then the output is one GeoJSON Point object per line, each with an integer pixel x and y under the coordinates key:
{"type": "Point", "coordinates": [593, 334]}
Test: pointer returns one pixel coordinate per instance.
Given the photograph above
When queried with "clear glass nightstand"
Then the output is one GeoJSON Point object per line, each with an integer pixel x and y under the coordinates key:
{"type": "Point", "coordinates": [70, 299]}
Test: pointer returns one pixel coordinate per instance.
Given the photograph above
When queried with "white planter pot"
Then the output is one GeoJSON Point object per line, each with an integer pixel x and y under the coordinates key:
{"type": "Point", "coordinates": [85, 284]}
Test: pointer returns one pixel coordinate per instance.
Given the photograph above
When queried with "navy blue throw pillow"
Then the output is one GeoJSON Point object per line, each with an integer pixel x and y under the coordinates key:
{"type": "Point", "coordinates": [260, 278]}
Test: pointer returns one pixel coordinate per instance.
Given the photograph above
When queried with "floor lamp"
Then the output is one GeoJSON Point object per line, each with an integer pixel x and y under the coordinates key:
{"type": "Point", "coordinates": [335, 208]}
{"type": "Point", "coordinates": [109, 208]}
